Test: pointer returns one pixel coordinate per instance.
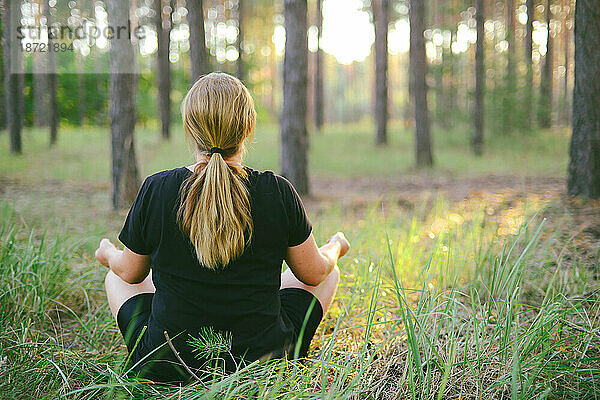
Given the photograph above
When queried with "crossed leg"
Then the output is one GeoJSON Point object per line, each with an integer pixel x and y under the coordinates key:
{"type": "Point", "coordinates": [118, 291]}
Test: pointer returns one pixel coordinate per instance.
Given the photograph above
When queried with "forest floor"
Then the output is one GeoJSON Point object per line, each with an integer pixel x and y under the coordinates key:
{"type": "Point", "coordinates": [479, 278]}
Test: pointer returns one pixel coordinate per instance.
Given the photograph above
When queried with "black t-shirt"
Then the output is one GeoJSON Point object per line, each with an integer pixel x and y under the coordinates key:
{"type": "Point", "coordinates": [242, 298]}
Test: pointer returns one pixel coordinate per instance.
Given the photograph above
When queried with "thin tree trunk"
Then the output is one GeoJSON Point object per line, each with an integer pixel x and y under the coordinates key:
{"type": "Point", "coordinates": [319, 102]}
{"type": "Point", "coordinates": [381, 20]}
{"type": "Point", "coordinates": [163, 10]}
{"type": "Point", "coordinates": [438, 70]}
{"type": "Point", "coordinates": [418, 71]}
{"type": "Point", "coordinates": [2, 72]}
{"type": "Point", "coordinates": [40, 78]}
{"type": "Point", "coordinates": [566, 40]}
{"type": "Point", "coordinates": [478, 110]}
{"type": "Point", "coordinates": [52, 82]}
{"type": "Point", "coordinates": [546, 83]}
{"type": "Point", "coordinates": [240, 72]}
{"type": "Point", "coordinates": [584, 167]}
{"type": "Point", "coordinates": [13, 61]}
{"type": "Point", "coordinates": [529, 64]}
{"type": "Point", "coordinates": [53, 109]}
{"type": "Point", "coordinates": [122, 111]}
{"type": "Point", "coordinates": [294, 140]}
{"type": "Point", "coordinates": [510, 92]}
{"type": "Point", "coordinates": [198, 53]}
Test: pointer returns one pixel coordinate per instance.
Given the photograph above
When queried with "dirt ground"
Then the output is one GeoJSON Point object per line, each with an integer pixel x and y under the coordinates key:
{"type": "Point", "coordinates": [453, 189]}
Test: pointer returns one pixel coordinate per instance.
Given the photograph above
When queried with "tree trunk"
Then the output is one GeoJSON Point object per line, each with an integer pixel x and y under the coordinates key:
{"type": "Point", "coordinates": [529, 65]}
{"type": "Point", "coordinates": [163, 10]}
{"type": "Point", "coordinates": [381, 20]}
{"type": "Point", "coordinates": [478, 110]}
{"type": "Point", "coordinates": [53, 117]}
{"type": "Point", "coordinates": [418, 72]}
{"type": "Point", "coordinates": [53, 109]}
{"type": "Point", "coordinates": [13, 61]}
{"type": "Point", "coordinates": [240, 70]}
{"type": "Point", "coordinates": [545, 117]}
{"type": "Point", "coordinates": [438, 69]}
{"type": "Point", "coordinates": [294, 140]}
{"type": "Point", "coordinates": [198, 53]}
{"type": "Point", "coordinates": [122, 112]}
{"type": "Point", "coordinates": [40, 78]}
{"type": "Point", "coordinates": [584, 167]}
{"type": "Point", "coordinates": [319, 102]}
{"type": "Point", "coordinates": [2, 71]}
{"type": "Point", "coordinates": [510, 92]}
{"type": "Point", "coordinates": [566, 40]}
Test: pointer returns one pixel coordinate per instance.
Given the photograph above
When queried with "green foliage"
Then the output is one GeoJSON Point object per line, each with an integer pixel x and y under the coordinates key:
{"type": "Point", "coordinates": [209, 343]}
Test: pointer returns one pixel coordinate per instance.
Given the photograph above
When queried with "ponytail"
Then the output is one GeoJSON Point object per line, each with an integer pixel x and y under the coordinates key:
{"type": "Point", "coordinates": [215, 212]}
{"type": "Point", "coordinates": [218, 116]}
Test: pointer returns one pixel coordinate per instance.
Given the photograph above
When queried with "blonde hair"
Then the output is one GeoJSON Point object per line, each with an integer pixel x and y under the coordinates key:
{"type": "Point", "coordinates": [218, 111]}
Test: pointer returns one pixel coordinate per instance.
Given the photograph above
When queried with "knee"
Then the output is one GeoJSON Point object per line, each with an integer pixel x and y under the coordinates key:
{"type": "Point", "coordinates": [109, 279]}
{"type": "Point", "coordinates": [334, 275]}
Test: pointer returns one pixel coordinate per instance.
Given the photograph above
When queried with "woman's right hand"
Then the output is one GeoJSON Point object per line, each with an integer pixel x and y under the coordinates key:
{"type": "Point", "coordinates": [341, 239]}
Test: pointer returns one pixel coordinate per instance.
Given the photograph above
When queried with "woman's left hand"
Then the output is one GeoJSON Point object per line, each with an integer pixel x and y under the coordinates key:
{"type": "Point", "coordinates": [105, 249]}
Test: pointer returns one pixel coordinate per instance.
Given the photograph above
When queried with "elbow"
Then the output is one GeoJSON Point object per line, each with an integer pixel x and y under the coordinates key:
{"type": "Point", "coordinates": [132, 279]}
{"type": "Point", "coordinates": [313, 280]}
{"type": "Point", "coordinates": [317, 278]}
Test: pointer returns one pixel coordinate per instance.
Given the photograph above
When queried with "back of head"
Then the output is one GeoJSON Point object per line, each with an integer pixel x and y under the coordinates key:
{"type": "Point", "coordinates": [218, 112]}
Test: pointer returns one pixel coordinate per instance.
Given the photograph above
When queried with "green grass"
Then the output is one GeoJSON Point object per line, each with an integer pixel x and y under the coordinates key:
{"type": "Point", "coordinates": [492, 297]}
{"type": "Point", "coordinates": [83, 154]}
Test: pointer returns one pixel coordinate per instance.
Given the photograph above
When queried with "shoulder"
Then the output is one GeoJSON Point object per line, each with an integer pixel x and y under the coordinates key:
{"type": "Point", "coordinates": [176, 175]}
{"type": "Point", "coordinates": [163, 184]}
{"type": "Point", "coordinates": [269, 181]}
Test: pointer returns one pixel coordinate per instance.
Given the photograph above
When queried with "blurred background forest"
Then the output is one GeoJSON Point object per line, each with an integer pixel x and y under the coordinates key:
{"type": "Point", "coordinates": [527, 45]}
{"type": "Point", "coordinates": [516, 41]}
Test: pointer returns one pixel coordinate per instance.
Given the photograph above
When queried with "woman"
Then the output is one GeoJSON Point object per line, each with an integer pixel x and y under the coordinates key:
{"type": "Point", "coordinates": [216, 234]}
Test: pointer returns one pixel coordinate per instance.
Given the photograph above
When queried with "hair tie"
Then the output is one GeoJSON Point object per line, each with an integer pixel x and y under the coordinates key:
{"type": "Point", "coordinates": [214, 150]}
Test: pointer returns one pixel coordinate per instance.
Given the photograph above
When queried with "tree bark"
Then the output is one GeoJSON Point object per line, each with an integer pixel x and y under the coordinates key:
{"type": "Point", "coordinates": [122, 111]}
{"type": "Point", "coordinates": [13, 83]}
{"type": "Point", "coordinates": [240, 68]}
{"type": "Point", "coordinates": [529, 64]}
{"type": "Point", "coordinates": [584, 167]}
{"type": "Point", "coordinates": [319, 101]}
{"type": "Point", "coordinates": [198, 53]}
{"type": "Point", "coordinates": [163, 10]}
{"type": "Point", "coordinates": [478, 110]}
{"type": "Point", "coordinates": [381, 21]}
{"type": "Point", "coordinates": [418, 72]}
{"type": "Point", "coordinates": [294, 140]}
{"type": "Point", "coordinates": [545, 117]}
{"type": "Point", "coordinates": [52, 81]}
